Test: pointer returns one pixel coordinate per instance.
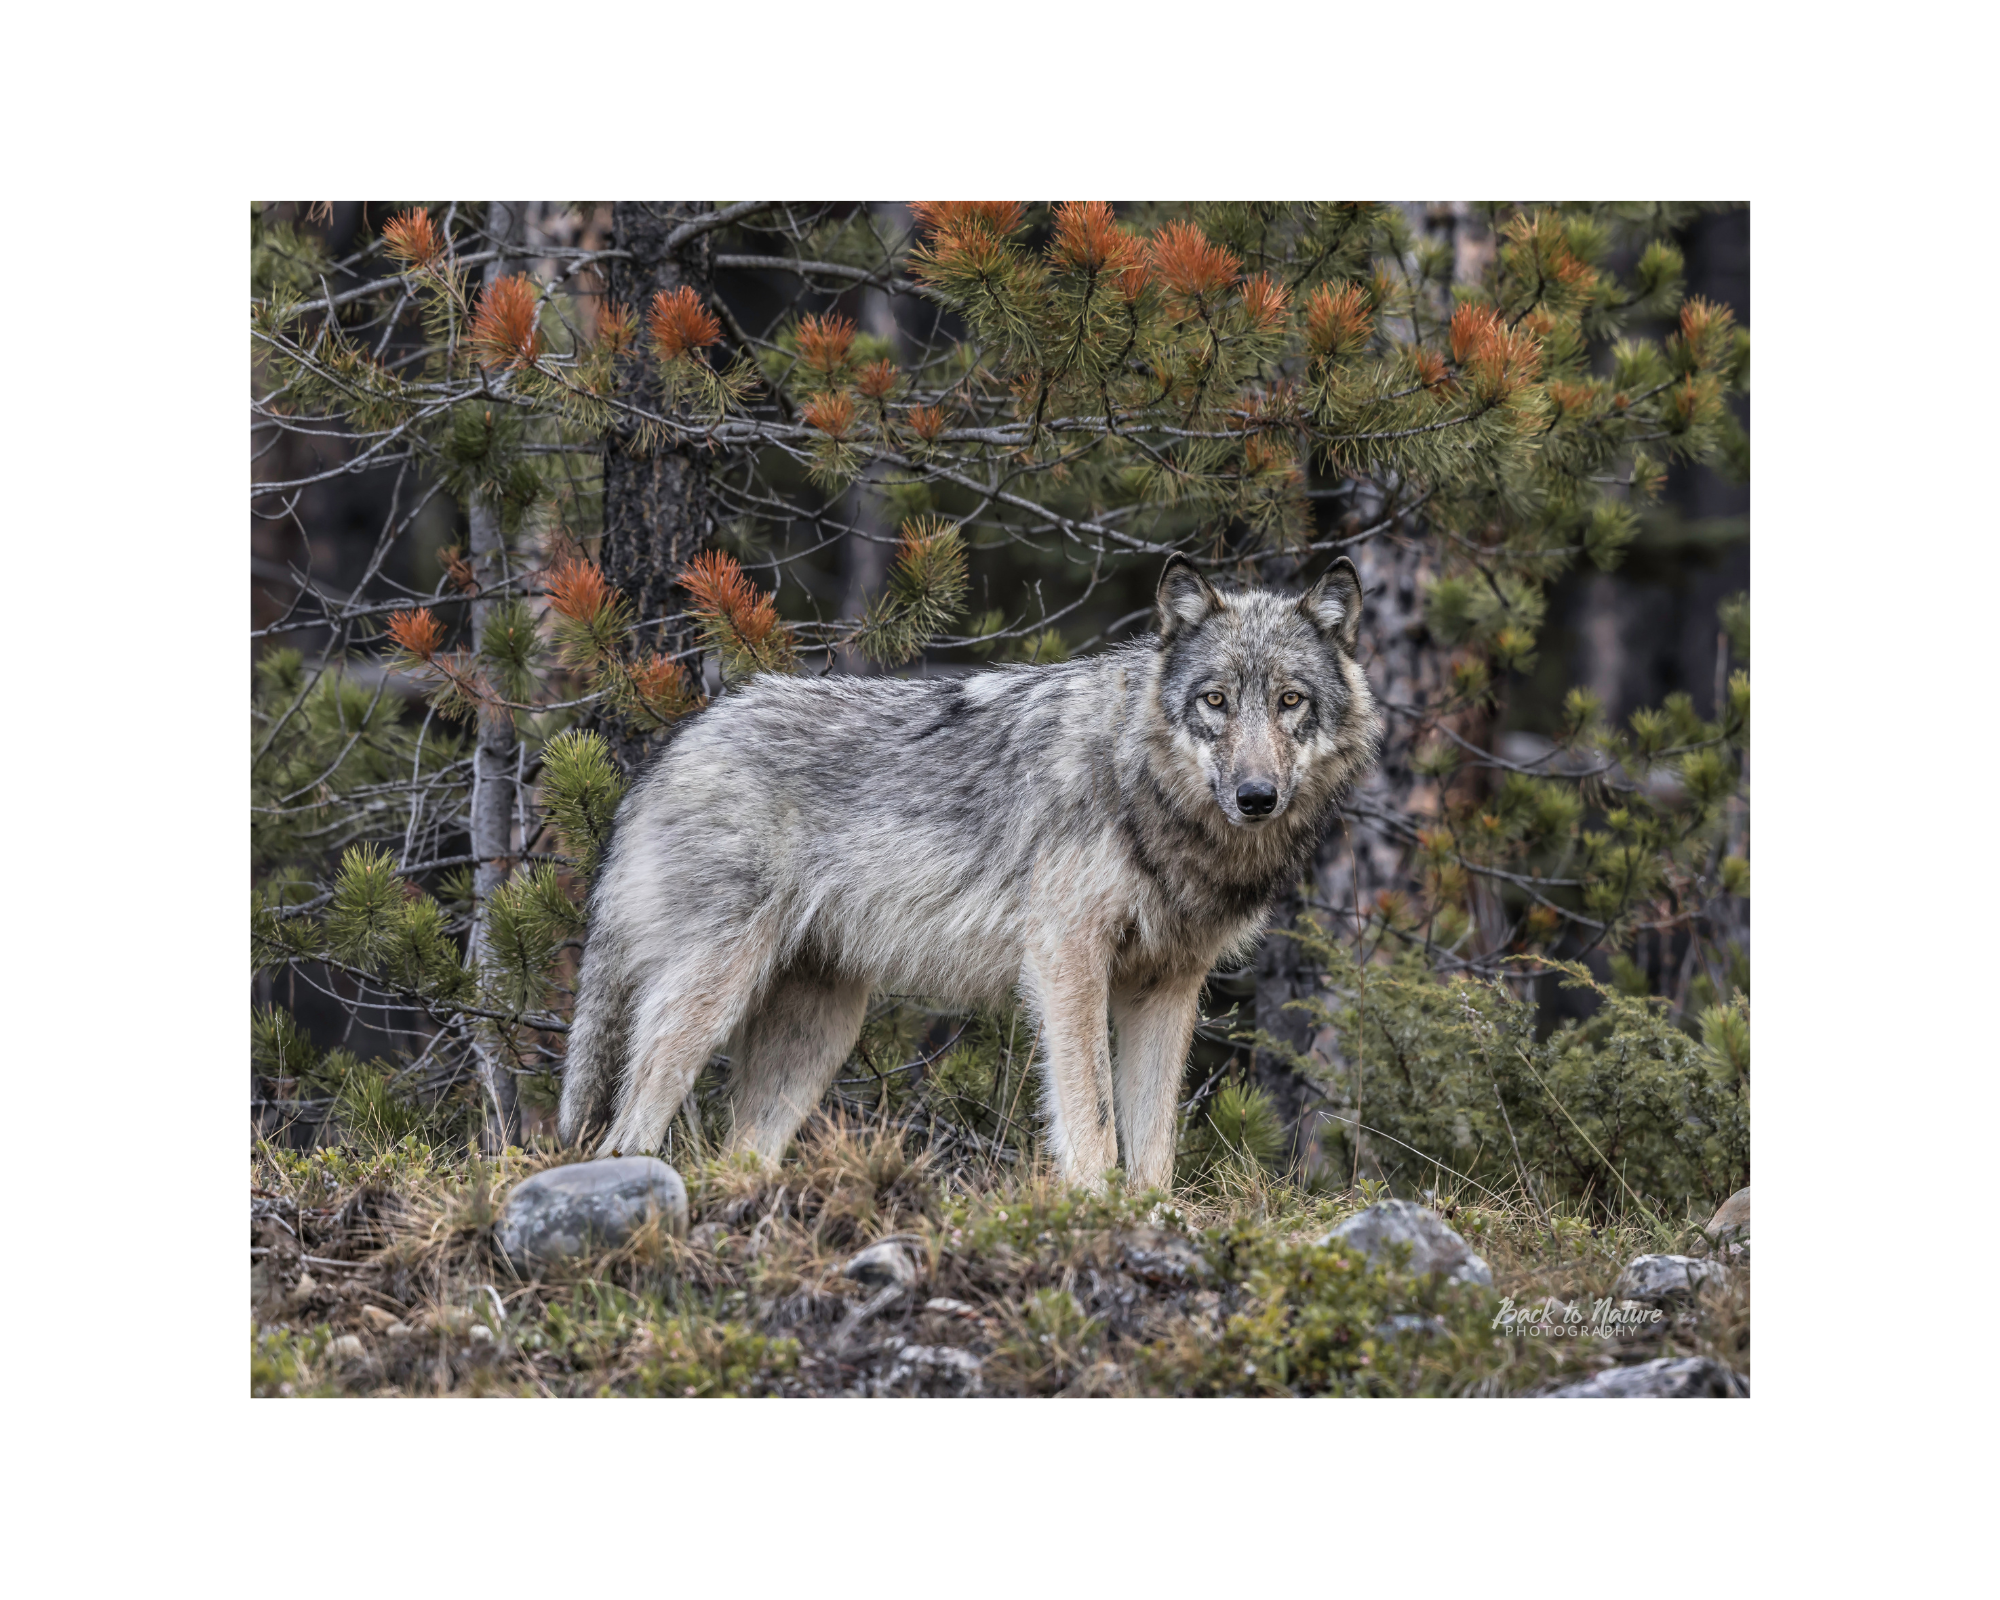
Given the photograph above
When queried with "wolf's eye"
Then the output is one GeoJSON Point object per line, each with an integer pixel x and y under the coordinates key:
{"type": "Point", "coordinates": [1290, 698]}
{"type": "Point", "coordinates": [1213, 698]}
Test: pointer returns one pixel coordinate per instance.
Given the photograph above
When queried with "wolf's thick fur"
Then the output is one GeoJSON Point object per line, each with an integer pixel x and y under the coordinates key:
{"type": "Point", "coordinates": [1073, 834]}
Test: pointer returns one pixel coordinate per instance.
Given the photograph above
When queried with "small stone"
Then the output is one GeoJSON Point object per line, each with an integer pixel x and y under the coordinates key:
{"type": "Point", "coordinates": [306, 1287]}
{"type": "Point", "coordinates": [1731, 1221]}
{"type": "Point", "coordinates": [1686, 1378]}
{"type": "Point", "coordinates": [883, 1265]}
{"type": "Point", "coordinates": [567, 1211]}
{"type": "Point", "coordinates": [378, 1320]}
{"type": "Point", "coordinates": [934, 1362]}
{"type": "Point", "coordinates": [1434, 1246]}
{"type": "Point", "coordinates": [479, 1333]}
{"type": "Point", "coordinates": [346, 1348]}
{"type": "Point", "coordinates": [1160, 1257]}
{"type": "Point", "coordinates": [1651, 1279]}
{"type": "Point", "coordinates": [398, 1330]}
{"type": "Point", "coordinates": [950, 1308]}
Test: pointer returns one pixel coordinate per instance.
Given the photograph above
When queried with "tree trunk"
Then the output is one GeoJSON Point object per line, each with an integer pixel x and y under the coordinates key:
{"type": "Point", "coordinates": [865, 553]}
{"type": "Point", "coordinates": [657, 511]}
{"type": "Point", "coordinates": [496, 752]}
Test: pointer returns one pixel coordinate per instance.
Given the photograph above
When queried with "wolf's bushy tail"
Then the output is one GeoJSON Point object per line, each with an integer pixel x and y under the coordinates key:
{"type": "Point", "coordinates": [595, 1058]}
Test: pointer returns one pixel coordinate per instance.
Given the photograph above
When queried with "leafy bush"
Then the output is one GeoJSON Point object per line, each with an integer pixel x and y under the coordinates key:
{"type": "Point", "coordinates": [1445, 1077]}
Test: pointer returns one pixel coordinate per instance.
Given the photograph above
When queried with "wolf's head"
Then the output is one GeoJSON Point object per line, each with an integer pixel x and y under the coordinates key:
{"type": "Point", "coordinates": [1261, 692]}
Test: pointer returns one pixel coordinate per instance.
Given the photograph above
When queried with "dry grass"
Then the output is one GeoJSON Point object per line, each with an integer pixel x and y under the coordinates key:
{"type": "Point", "coordinates": [376, 1273]}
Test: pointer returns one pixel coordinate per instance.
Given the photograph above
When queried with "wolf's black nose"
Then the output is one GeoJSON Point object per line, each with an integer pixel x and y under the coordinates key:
{"type": "Point", "coordinates": [1256, 798]}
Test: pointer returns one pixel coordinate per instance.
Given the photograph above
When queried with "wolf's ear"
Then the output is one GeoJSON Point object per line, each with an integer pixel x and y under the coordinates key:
{"type": "Point", "coordinates": [1333, 605]}
{"type": "Point", "coordinates": [1185, 597]}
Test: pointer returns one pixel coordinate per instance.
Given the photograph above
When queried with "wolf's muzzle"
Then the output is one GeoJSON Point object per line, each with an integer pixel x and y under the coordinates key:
{"type": "Point", "coordinates": [1256, 798]}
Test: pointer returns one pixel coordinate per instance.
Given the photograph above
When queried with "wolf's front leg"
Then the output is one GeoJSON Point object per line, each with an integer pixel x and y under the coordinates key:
{"type": "Point", "coordinates": [1155, 1027]}
{"type": "Point", "coordinates": [1069, 987]}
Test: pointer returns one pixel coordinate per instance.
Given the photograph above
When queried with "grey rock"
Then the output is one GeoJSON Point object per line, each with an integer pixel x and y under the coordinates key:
{"type": "Point", "coordinates": [889, 1263]}
{"type": "Point", "coordinates": [1653, 1279]}
{"type": "Point", "coordinates": [934, 1363]}
{"type": "Point", "coordinates": [1161, 1257]}
{"type": "Point", "coordinates": [346, 1348]}
{"type": "Point", "coordinates": [1731, 1221]}
{"type": "Point", "coordinates": [1434, 1246]}
{"type": "Point", "coordinates": [588, 1205]}
{"type": "Point", "coordinates": [1686, 1378]}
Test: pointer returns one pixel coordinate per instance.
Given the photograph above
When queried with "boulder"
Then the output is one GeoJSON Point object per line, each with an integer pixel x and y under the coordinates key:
{"type": "Point", "coordinates": [1434, 1247]}
{"type": "Point", "coordinates": [564, 1211]}
{"type": "Point", "coordinates": [1655, 1279]}
{"type": "Point", "coordinates": [1686, 1378]}
{"type": "Point", "coordinates": [1732, 1219]}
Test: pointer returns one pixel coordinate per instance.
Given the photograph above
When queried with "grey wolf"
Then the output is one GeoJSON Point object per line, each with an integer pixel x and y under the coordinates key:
{"type": "Point", "coordinates": [1093, 837]}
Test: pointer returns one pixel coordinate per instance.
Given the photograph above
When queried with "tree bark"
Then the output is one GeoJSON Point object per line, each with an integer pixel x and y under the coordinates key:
{"type": "Point", "coordinates": [865, 554]}
{"type": "Point", "coordinates": [657, 509]}
{"type": "Point", "coordinates": [496, 750]}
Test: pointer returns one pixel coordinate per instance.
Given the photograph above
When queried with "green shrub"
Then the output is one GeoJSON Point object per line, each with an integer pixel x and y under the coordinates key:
{"type": "Point", "coordinates": [1446, 1078]}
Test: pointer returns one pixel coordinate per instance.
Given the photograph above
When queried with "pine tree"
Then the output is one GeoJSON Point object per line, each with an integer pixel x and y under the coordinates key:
{"type": "Point", "coordinates": [653, 419]}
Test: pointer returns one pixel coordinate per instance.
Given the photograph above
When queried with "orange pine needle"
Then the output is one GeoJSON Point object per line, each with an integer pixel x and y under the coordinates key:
{"type": "Point", "coordinates": [616, 328]}
{"type": "Point", "coordinates": [825, 341]}
{"type": "Point", "coordinates": [412, 238]}
{"type": "Point", "coordinates": [1265, 299]}
{"type": "Point", "coordinates": [458, 568]}
{"type": "Point", "coordinates": [1088, 238]}
{"type": "Point", "coordinates": [579, 590]}
{"type": "Point", "coordinates": [681, 324]}
{"type": "Point", "coordinates": [1570, 397]}
{"type": "Point", "coordinates": [505, 330]}
{"type": "Point", "coordinates": [416, 633]}
{"type": "Point", "coordinates": [877, 379]}
{"type": "Point", "coordinates": [723, 590]}
{"type": "Point", "coordinates": [996, 218]}
{"type": "Point", "coordinates": [1192, 267]}
{"type": "Point", "coordinates": [832, 414]}
{"type": "Point", "coordinates": [664, 685]}
{"type": "Point", "coordinates": [1502, 358]}
{"type": "Point", "coordinates": [1338, 321]}
{"type": "Point", "coordinates": [1472, 326]}
{"type": "Point", "coordinates": [1701, 317]}
{"type": "Point", "coordinates": [927, 422]}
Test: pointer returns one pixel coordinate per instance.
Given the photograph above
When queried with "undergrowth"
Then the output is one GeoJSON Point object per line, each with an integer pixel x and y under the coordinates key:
{"type": "Point", "coordinates": [375, 1271]}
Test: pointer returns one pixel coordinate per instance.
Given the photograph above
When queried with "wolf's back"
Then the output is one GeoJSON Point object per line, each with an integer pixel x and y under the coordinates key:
{"type": "Point", "coordinates": [894, 823]}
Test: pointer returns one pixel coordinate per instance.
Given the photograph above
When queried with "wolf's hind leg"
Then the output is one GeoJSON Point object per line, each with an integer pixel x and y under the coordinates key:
{"type": "Point", "coordinates": [1155, 1027]}
{"type": "Point", "coordinates": [682, 1018]}
{"type": "Point", "coordinates": [793, 1042]}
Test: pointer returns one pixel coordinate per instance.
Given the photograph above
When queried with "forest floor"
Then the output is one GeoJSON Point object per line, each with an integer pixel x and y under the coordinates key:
{"type": "Point", "coordinates": [377, 1273]}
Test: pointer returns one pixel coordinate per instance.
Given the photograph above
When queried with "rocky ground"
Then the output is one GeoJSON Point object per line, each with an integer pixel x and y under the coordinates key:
{"type": "Point", "coordinates": [860, 1268]}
